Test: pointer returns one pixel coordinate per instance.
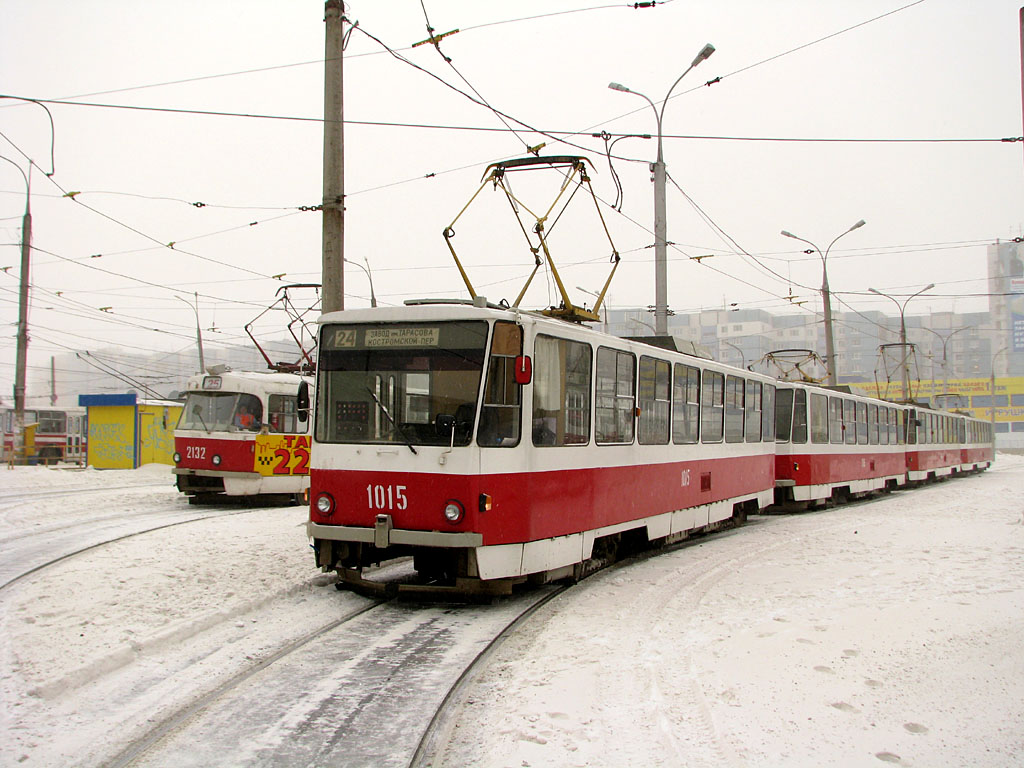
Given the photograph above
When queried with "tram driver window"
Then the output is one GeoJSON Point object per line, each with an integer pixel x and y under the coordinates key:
{"type": "Point", "coordinates": [248, 413]}
{"type": "Point", "coordinates": [500, 418]}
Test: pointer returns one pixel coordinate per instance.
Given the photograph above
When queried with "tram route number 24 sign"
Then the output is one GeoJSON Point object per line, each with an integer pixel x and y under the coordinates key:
{"type": "Point", "coordinates": [282, 454]}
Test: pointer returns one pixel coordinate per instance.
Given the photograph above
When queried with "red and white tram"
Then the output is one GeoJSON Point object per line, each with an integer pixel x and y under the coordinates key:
{"type": "Point", "coordinates": [60, 433]}
{"type": "Point", "coordinates": [938, 446]}
{"type": "Point", "coordinates": [832, 443]}
{"type": "Point", "coordinates": [239, 435]}
{"type": "Point", "coordinates": [495, 446]}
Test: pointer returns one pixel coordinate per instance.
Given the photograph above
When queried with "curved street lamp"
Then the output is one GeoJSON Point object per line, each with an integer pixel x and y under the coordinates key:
{"type": "Point", "coordinates": [903, 331]}
{"type": "Point", "coordinates": [366, 269]}
{"type": "Point", "coordinates": [199, 331]}
{"type": "Point", "coordinates": [660, 223]}
{"type": "Point", "coordinates": [830, 342]}
{"type": "Point", "coordinates": [945, 341]}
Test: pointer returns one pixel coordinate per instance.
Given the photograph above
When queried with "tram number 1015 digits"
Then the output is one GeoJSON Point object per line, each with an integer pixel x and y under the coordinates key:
{"type": "Point", "coordinates": [386, 497]}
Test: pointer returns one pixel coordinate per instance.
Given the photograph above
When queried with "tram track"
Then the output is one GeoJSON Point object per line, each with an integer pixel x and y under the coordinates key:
{"type": "Point", "coordinates": [367, 688]}
{"type": "Point", "coordinates": [21, 560]}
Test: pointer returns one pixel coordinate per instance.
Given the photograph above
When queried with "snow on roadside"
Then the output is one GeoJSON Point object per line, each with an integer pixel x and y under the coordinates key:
{"type": "Point", "coordinates": [881, 633]}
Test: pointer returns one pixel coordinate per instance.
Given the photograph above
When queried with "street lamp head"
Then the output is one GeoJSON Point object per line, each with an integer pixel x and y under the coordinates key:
{"type": "Point", "coordinates": [705, 53]}
{"type": "Point", "coordinates": [928, 287]}
{"type": "Point", "coordinates": [872, 290]}
{"type": "Point", "coordinates": [858, 225]}
{"type": "Point", "coordinates": [619, 87]}
{"type": "Point", "coordinates": [784, 233]}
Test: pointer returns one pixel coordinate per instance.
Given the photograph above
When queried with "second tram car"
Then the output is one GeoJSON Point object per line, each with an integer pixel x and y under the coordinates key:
{"type": "Point", "coordinates": [239, 435]}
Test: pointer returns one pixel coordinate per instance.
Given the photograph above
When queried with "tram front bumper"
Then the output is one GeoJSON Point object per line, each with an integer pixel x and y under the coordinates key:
{"type": "Point", "coordinates": [383, 535]}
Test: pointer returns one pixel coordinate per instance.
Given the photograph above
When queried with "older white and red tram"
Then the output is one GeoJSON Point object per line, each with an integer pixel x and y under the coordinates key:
{"type": "Point", "coordinates": [60, 434]}
{"type": "Point", "coordinates": [239, 435]}
{"type": "Point", "coordinates": [496, 446]}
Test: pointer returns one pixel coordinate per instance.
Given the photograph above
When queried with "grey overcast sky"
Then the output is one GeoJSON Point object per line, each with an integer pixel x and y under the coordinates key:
{"type": "Point", "coordinates": [907, 101]}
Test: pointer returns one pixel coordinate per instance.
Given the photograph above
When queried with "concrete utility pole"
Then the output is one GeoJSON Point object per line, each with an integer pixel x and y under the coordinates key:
{"type": "Point", "coordinates": [21, 353]}
{"type": "Point", "coordinates": [333, 277]}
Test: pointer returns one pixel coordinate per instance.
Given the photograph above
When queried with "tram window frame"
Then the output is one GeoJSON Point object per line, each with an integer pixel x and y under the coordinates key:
{"type": "Point", "coordinates": [561, 392]}
{"type": "Point", "coordinates": [849, 421]}
{"type": "Point", "coordinates": [909, 431]}
{"type": "Point", "coordinates": [883, 425]}
{"type": "Point", "coordinates": [685, 404]}
{"type": "Point", "coordinates": [862, 423]}
{"type": "Point", "coordinates": [735, 403]}
{"type": "Point", "coordinates": [784, 397]}
{"type": "Point", "coordinates": [872, 424]}
{"type": "Point", "coordinates": [712, 407]}
{"type": "Point", "coordinates": [835, 420]}
{"type": "Point", "coordinates": [615, 404]}
{"type": "Point", "coordinates": [768, 413]}
{"type": "Point", "coordinates": [654, 388]}
{"type": "Point", "coordinates": [501, 412]}
{"type": "Point", "coordinates": [894, 427]}
{"type": "Point", "coordinates": [819, 418]}
{"type": "Point", "coordinates": [752, 418]}
{"type": "Point", "coordinates": [51, 423]}
{"type": "Point", "coordinates": [799, 434]}
{"type": "Point", "coordinates": [283, 415]}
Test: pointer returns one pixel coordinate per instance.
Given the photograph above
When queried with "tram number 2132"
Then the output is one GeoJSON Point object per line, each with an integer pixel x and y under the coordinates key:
{"type": "Point", "coordinates": [386, 497]}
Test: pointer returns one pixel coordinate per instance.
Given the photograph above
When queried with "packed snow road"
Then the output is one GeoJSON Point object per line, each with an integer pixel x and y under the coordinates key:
{"type": "Point", "coordinates": [877, 633]}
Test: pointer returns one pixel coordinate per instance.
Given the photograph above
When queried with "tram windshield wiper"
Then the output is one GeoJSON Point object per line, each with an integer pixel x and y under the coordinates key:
{"type": "Point", "coordinates": [197, 411]}
{"type": "Point", "coordinates": [394, 423]}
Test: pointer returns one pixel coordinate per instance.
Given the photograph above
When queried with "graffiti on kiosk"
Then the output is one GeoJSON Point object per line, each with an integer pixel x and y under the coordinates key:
{"type": "Point", "coordinates": [111, 443]}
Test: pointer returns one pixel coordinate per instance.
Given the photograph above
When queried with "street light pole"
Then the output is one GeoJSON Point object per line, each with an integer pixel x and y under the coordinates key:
{"type": "Point", "coordinates": [903, 333]}
{"type": "Point", "coordinates": [660, 221]}
{"type": "Point", "coordinates": [743, 357]}
{"type": "Point", "coordinates": [199, 331]}
{"type": "Point", "coordinates": [945, 368]}
{"type": "Point", "coordinates": [826, 297]}
{"type": "Point", "coordinates": [366, 269]}
{"type": "Point", "coordinates": [604, 307]}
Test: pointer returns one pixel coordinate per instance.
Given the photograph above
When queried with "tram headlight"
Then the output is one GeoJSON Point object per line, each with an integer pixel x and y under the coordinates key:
{"type": "Point", "coordinates": [216, 461]}
{"type": "Point", "coordinates": [324, 504]}
{"type": "Point", "coordinates": [454, 511]}
{"type": "Point", "coordinates": [177, 458]}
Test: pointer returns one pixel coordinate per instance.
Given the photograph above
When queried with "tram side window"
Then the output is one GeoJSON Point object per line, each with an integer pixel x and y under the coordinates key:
{"type": "Point", "coordinates": [835, 418]}
{"type": "Point", "coordinates": [282, 414]}
{"type": "Point", "coordinates": [909, 422]}
{"type": "Point", "coordinates": [653, 395]}
{"type": "Point", "coordinates": [873, 424]}
{"type": "Point", "coordinates": [51, 423]}
{"type": "Point", "coordinates": [561, 392]}
{"type": "Point", "coordinates": [894, 431]}
{"type": "Point", "coordinates": [712, 409]}
{"type": "Point", "coordinates": [961, 431]}
{"type": "Point", "coordinates": [768, 413]}
{"type": "Point", "coordinates": [501, 415]}
{"type": "Point", "coordinates": [734, 400]}
{"type": "Point", "coordinates": [819, 419]}
{"type": "Point", "coordinates": [862, 423]}
{"type": "Point", "coordinates": [883, 425]}
{"type": "Point", "coordinates": [615, 396]}
{"type": "Point", "coordinates": [800, 416]}
{"type": "Point", "coordinates": [685, 404]}
{"type": "Point", "coordinates": [754, 419]}
{"type": "Point", "coordinates": [783, 415]}
{"type": "Point", "coordinates": [850, 421]}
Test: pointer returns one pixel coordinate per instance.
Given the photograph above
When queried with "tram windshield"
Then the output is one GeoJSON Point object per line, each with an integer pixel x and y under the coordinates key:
{"type": "Point", "coordinates": [404, 383]}
{"type": "Point", "coordinates": [221, 412]}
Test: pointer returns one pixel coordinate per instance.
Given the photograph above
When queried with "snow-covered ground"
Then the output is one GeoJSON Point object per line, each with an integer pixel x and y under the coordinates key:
{"type": "Point", "coordinates": [878, 632]}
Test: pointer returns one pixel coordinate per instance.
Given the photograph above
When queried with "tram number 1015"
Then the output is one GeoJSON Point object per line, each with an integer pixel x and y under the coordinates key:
{"type": "Point", "coordinates": [386, 497]}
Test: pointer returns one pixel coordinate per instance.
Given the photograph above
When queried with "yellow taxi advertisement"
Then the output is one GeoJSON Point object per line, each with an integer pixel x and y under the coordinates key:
{"type": "Point", "coordinates": [282, 455]}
